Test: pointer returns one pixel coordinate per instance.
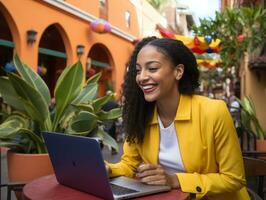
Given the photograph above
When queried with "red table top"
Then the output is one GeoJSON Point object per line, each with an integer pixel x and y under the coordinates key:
{"type": "Point", "coordinates": [47, 187]}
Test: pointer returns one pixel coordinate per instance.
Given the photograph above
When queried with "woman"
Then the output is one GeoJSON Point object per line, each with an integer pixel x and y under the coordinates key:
{"type": "Point", "coordinates": [175, 137]}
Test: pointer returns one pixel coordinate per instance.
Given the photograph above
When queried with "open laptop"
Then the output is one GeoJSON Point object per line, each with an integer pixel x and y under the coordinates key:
{"type": "Point", "coordinates": [78, 163]}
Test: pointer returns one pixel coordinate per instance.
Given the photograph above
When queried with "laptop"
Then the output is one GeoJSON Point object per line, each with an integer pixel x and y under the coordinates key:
{"type": "Point", "coordinates": [78, 163]}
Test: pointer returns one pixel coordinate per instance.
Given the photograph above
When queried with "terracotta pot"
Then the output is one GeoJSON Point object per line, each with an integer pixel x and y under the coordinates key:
{"type": "Point", "coordinates": [27, 167]}
{"type": "Point", "coordinates": [261, 146]}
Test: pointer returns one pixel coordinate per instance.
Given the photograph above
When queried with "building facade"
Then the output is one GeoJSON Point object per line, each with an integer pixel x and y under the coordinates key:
{"type": "Point", "coordinates": [49, 35]}
{"type": "Point", "coordinates": [148, 19]}
{"type": "Point", "coordinates": [252, 77]}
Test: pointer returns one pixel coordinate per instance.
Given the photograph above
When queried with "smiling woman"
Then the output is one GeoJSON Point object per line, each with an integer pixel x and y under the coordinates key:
{"type": "Point", "coordinates": [163, 119]}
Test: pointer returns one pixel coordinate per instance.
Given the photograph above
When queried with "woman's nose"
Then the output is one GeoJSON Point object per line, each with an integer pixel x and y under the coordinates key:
{"type": "Point", "coordinates": [143, 75]}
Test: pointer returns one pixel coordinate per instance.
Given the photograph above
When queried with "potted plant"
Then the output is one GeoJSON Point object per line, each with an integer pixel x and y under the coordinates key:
{"type": "Point", "coordinates": [77, 111]}
{"type": "Point", "coordinates": [251, 123]}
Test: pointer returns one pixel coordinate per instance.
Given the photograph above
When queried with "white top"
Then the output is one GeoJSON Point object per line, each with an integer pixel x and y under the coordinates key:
{"type": "Point", "coordinates": [169, 153]}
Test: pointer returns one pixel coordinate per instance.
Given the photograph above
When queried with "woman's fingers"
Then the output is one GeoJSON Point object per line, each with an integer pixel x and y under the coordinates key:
{"type": "Point", "coordinates": [145, 167]}
{"type": "Point", "coordinates": [151, 174]}
{"type": "Point", "coordinates": [147, 170]}
{"type": "Point", "coordinates": [154, 180]}
{"type": "Point", "coordinates": [155, 175]}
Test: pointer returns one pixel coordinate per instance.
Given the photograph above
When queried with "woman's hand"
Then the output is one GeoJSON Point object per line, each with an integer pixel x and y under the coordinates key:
{"type": "Point", "coordinates": [156, 175]}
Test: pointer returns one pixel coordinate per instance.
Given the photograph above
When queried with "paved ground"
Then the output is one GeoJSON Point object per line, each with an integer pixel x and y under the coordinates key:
{"type": "Point", "coordinates": [106, 154]}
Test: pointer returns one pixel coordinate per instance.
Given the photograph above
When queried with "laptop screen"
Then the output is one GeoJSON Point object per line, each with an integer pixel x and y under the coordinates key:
{"type": "Point", "coordinates": [78, 163]}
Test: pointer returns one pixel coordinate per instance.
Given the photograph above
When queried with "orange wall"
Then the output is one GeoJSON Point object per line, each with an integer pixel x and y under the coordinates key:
{"type": "Point", "coordinates": [117, 15]}
{"type": "Point", "coordinates": [38, 15]}
{"type": "Point", "coordinates": [116, 12]}
{"type": "Point", "coordinates": [90, 6]}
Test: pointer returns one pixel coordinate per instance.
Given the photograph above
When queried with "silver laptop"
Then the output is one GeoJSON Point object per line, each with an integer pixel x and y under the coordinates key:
{"type": "Point", "coordinates": [78, 163]}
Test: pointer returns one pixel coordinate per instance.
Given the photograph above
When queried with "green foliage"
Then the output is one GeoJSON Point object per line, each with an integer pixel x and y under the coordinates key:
{"type": "Point", "coordinates": [240, 31]}
{"type": "Point", "coordinates": [249, 118]}
{"type": "Point", "coordinates": [77, 109]}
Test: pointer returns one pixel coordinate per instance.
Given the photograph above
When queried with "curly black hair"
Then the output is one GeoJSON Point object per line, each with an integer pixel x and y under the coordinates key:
{"type": "Point", "coordinates": [137, 112]}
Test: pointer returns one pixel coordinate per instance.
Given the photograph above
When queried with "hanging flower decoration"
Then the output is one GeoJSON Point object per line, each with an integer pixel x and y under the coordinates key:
{"type": "Point", "coordinates": [208, 39]}
{"type": "Point", "coordinates": [197, 44]}
{"type": "Point", "coordinates": [165, 32]}
{"type": "Point", "coordinates": [100, 26]}
{"type": "Point", "coordinates": [210, 64]}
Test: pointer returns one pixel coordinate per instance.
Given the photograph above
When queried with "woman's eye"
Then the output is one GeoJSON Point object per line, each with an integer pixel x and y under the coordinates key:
{"type": "Point", "coordinates": [137, 70]}
{"type": "Point", "coordinates": [153, 69]}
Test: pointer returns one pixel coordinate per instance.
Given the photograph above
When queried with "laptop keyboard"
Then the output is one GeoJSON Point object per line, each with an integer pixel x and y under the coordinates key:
{"type": "Point", "coordinates": [119, 190]}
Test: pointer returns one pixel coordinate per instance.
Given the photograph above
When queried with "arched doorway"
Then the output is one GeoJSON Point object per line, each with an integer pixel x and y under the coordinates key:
{"type": "Point", "coordinates": [52, 56]}
{"type": "Point", "coordinates": [100, 60]}
{"type": "Point", "coordinates": [6, 47]}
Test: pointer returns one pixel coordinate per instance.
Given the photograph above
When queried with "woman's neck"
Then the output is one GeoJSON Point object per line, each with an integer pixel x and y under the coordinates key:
{"type": "Point", "coordinates": [167, 109]}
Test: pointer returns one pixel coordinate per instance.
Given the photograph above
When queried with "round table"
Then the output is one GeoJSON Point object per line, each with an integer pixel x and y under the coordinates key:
{"type": "Point", "coordinates": [47, 187]}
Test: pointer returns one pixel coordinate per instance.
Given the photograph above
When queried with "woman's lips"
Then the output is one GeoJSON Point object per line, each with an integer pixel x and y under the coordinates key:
{"type": "Point", "coordinates": [148, 88]}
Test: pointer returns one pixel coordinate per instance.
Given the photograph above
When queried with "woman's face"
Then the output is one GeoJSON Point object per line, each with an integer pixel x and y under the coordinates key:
{"type": "Point", "coordinates": [156, 75]}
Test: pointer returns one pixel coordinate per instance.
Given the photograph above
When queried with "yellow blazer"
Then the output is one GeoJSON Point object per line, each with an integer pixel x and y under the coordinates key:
{"type": "Point", "coordinates": [209, 149]}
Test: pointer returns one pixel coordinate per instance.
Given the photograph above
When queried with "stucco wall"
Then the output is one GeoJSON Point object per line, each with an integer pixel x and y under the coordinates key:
{"type": "Point", "coordinates": [253, 84]}
{"type": "Point", "coordinates": [38, 15]}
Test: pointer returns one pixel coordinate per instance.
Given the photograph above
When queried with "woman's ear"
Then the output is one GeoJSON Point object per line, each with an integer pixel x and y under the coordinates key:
{"type": "Point", "coordinates": [179, 71]}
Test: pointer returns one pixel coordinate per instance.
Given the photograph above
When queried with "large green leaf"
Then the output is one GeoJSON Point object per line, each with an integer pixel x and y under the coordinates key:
{"type": "Point", "coordinates": [34, 103]}
{"type": "Point", "coordinates": [249, 119]}
{"type": "Point", "coordinates": [10, 130]}
{"type": "Point", "coordinates": [33, 79]}
{"type": "Point", "coordinates": [10, 127]}
{"type": "Point", "coordinates": [248, 106]}
{"type": "Point", "coordinates": [112, 114]}
{"type": "Point", "coordinates": [67, 117]}
{"type": "Point", "coordinates": [100, 102]}
{"type": "Point", "coordinates": [16, 120]}
{"type": "Point", "coordinates": [95, 78]}
{"type": "Point", "coordinates": [84, 122]}
{"type": "Point", "coordinates": [40, 145]}
{"type": "Point", "coordinates": [107, 139]}
{"type": "Point", "coordinates": [9, 94]}
{"type": "Point", "coordinates": [85, 107]}
{"type": "Point", "coordinates": [67, 89]}
{"type": "Point", "coordinates": [88, 93]}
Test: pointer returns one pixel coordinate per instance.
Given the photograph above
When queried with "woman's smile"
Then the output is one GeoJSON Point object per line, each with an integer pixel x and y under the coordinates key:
{"type": "Point", "coordinates": [148, 88]}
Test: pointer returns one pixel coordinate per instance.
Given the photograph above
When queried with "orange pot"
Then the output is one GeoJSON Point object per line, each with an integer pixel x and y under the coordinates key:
{"type": "Point", "coordinates": [27, 167]}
